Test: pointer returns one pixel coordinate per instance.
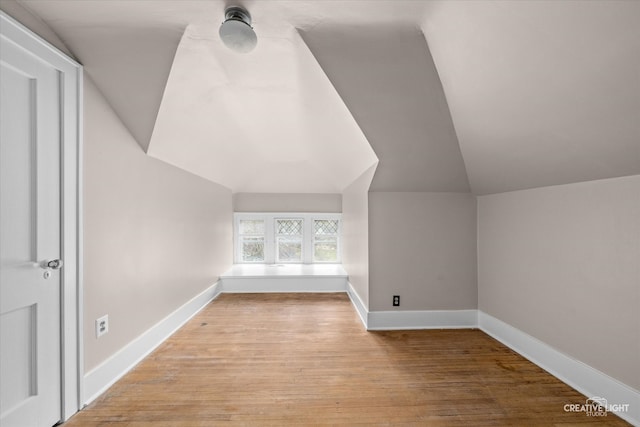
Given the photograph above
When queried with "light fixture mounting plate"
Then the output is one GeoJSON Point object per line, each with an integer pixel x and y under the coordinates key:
{"type": "Point", "coordinates": [237, 13]}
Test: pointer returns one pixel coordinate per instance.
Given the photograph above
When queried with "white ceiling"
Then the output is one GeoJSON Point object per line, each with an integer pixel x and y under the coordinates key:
{"type": "Point", "coordinates": [269, 121]}
{"type": "Point", "coordinates": [519, 94]}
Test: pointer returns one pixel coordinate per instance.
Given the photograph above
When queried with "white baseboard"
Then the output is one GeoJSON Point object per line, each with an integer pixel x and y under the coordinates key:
{"type": "Point", "coordinates": [580, 376]}
{"type": "Point", "coordinates": [361, 309]}
{"type": "Point", "coordinates": [99, 379]}
{"type": "Point", "coordinates": [427, 319]}
{"type": "Point", "coordinates": [284, 284]}
{"type": "Point", "coordinates": [403, 320]}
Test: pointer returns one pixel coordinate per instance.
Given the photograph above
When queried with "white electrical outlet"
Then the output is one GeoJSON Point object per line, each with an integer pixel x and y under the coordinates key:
{"type": "Point", "coordinates": [102, 326]}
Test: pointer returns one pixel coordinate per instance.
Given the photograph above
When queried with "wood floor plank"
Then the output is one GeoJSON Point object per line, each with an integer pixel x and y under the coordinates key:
{"type": "Point", "coordinates": [305, 359]}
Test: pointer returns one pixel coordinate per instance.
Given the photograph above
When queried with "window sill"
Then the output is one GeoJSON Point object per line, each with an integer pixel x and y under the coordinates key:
{"type": "Point", "coordinates": [284, 270]}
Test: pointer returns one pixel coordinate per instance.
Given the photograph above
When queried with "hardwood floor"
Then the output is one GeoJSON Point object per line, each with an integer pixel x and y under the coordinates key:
{"type": "Point", "coordinates": [305, 359]}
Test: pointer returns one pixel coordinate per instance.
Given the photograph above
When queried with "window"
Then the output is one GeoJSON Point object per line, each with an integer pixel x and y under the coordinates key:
{"type": "Point", "coordinates": [287, 238]}
{"type": "Point", "coordinates": [325, 240]}
{"type": "Point", "coordinates": [251, 240]}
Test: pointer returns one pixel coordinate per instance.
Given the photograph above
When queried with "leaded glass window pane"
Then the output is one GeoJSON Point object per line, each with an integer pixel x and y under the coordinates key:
{"type": "Point", "coordinates": [325, 226]}
{"type": "Point", "coordinates": [325, 240]}
{"type": "Point", "coordinates": [289, 227]}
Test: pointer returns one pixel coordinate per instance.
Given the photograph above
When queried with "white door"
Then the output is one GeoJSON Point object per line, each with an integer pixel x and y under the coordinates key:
{"type": "Point", "coordinates": [30, 232]}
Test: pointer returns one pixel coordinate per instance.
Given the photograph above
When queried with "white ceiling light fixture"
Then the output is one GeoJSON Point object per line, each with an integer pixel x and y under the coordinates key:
{"type": "Point", "coordinates": [236, 31]}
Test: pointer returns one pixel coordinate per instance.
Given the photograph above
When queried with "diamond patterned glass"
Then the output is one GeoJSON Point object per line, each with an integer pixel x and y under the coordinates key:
{"type": "Point", "coordinates": [325, 226]}
{"type": "Point", "coordinates": [289, 227]}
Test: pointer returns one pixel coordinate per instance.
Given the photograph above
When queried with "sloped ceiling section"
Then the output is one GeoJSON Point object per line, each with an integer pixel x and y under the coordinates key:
{"type": "Point", "coordinates": [132, 87]}
{"type": "Point", "coordinates": [541, 93]}
{"type": "Point", "coordinates": [387, 79]}
{"type": "Point", "coordinates": [269, 121]}
{"type": "Point", "coordinates": [128, 62]}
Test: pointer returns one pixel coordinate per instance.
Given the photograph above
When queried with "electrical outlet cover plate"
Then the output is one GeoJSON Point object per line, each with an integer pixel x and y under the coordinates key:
{"type": "Point", "coordinates": [102, 326]}
{"type": "Point", "coordinates": [396, 300]}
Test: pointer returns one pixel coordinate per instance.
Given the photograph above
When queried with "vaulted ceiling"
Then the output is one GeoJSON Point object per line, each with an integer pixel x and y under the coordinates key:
{"type": "Point", "coordinates": [479, 96]}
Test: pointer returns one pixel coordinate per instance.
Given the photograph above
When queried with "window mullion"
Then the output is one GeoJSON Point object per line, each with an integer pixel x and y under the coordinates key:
{"type": "Point", "coordinates": [339, 241]}
{"type": "Point", "coordinates": [307, 240]}
{"type": "Point", "coordinates": [236, 240]}
{"type": "Point", "coordinates": [270, 249]}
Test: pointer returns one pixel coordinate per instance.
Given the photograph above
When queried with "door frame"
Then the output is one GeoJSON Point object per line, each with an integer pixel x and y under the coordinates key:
{"type": "Point", "coordinates": [70, 75]}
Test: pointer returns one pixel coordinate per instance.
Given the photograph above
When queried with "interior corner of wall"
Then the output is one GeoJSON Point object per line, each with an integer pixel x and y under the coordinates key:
{"type": "Point", "coordinates": [363, 181]}
{"type": "Point", "coordinates": [36, 24]}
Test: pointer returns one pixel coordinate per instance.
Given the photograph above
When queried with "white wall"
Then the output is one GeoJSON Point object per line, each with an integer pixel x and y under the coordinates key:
{"type": "Point", "coordinates": [287, 202]}
{"type": "Point", "coordinates": [559, 263]}
{"type": "Point", "coordinates": [355, 233]}
{"type": "Point", "coordinates": [562, 264]}
{"type": "Point", "coordinates": [154, 235]}
{"type": "Point", "coordinates": [422, 247]}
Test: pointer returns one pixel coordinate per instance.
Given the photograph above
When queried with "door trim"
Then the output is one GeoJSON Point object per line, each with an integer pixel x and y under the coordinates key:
{"type": "Point", "coordinates": [71, 74]}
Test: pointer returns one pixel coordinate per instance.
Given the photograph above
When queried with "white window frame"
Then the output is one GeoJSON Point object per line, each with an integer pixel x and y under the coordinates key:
{"type": "Point", "coordinates": [312, 247]}
{"type": "Point", "coordinates": [302, 236]}
{"type": "Point", "coordinates": [269, 219]}
{"type": "Point", "coordinates": [240, 238]}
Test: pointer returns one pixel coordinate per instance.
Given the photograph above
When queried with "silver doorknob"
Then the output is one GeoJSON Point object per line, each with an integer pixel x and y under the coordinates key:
{"type": "Point", "coordinates": [53, 264]}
